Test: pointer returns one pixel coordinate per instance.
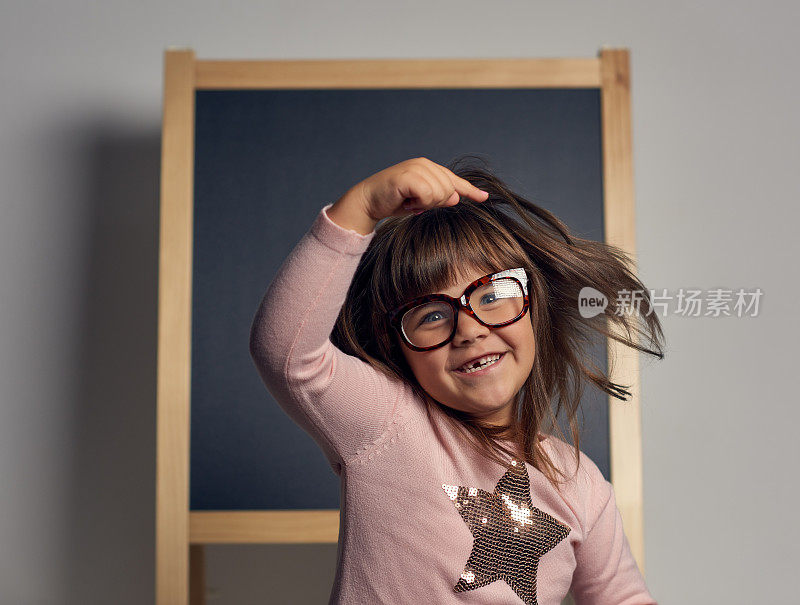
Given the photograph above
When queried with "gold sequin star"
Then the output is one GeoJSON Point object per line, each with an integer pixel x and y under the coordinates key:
{"type": "Point", "coordinates": [510, 533]}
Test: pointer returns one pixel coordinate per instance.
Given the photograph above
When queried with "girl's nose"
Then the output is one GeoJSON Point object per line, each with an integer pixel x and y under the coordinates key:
{"type": "Point", "coordinates": [468, 329]}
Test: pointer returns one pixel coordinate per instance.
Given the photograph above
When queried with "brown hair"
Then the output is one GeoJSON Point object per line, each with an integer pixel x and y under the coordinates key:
{"type": "Point", "coordinates": [413, 255]}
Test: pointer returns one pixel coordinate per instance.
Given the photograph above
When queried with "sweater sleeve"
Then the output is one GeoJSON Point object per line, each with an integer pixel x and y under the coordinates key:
{"type": "Point", "coordinates": [606, 571]}
{"type": "Point", "coordinates": [341, 401]}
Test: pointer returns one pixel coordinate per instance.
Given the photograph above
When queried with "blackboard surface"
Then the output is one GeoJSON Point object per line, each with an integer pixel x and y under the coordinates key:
{"type": "Point", "coordinates": [266, 161]}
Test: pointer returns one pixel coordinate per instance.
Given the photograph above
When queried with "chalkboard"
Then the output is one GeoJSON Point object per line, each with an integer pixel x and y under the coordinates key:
{"type": "Point", "coordinates": [251, 151]}
{"type": "Point", "coordinates": [266, 161]}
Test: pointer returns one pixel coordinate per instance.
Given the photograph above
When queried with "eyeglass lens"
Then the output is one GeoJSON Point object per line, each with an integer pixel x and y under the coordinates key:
{"type": "Point", "coordinates": [430, 324]}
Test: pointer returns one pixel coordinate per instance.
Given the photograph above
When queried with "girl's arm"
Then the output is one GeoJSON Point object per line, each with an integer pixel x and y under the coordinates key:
{"type": "Point", "coordinates": [606, 571]}
{"type": "Point", "coordinates": [341, 401]}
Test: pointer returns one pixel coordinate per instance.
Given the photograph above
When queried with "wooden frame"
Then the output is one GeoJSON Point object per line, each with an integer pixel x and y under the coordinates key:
{"type": "Point", "coordinates": [180, 533]}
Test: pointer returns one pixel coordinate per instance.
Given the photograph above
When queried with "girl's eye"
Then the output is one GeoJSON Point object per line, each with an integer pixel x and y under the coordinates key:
{"type": "Point", "coordinates": [488, 299]}
{"type": "Point", "coordinates": [431, 317]}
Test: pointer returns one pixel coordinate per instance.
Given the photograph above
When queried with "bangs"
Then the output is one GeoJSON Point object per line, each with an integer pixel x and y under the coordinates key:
{"type": "Point", "coordinates": [437, 248]}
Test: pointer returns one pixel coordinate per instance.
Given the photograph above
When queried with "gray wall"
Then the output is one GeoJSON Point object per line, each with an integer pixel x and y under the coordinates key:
{"type": "Point", "coordinates": [715, 159]}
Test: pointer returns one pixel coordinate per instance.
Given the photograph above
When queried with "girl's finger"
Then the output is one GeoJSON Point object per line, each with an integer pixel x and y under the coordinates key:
{"type": "Point", "coordinates": [449, 196]}
{"type": "Point", "coordinates": [421, 191]}
{"type": "Point", "coordinates": [465, 188]}
{"type": "Point", "coordinates": [469, 190]}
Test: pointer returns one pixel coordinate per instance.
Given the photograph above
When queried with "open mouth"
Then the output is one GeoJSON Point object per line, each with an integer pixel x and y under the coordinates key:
{"type": "Point", "coordinates": [481, 368]}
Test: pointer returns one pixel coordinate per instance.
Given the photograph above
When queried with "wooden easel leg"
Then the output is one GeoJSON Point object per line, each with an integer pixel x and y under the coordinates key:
{"type": "Point", "coordinates": [197, 574]}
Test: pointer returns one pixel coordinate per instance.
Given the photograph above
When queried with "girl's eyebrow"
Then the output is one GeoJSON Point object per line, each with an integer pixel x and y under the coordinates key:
{"type": "Point", "coordinates": [462, 288]}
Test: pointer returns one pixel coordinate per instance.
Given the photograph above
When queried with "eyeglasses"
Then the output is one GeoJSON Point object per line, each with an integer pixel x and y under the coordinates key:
{"type": "Point", "coordinates": [495, 300]}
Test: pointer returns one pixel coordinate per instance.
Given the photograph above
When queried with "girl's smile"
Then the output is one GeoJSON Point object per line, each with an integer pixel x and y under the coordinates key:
{"type": "Point", "coordinates": [481, 366]}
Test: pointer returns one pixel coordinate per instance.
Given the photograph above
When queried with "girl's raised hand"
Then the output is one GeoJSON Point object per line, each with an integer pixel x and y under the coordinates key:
{"type": "Point", "coordinates": [413, 186]}
{"type": "Point", "coordinates": [410, 187]}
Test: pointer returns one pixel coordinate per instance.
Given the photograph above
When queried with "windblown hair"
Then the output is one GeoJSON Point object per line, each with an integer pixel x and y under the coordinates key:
{"type": "Point", "coordinates": [413, 255]}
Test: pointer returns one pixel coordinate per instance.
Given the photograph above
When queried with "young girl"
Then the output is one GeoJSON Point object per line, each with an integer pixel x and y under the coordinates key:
{"type": "Point", "coordinates": [422, 353]}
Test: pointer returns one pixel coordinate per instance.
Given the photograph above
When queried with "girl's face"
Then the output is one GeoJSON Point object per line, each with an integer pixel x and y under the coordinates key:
{"type": "Point", "coordinates": [490, 393]}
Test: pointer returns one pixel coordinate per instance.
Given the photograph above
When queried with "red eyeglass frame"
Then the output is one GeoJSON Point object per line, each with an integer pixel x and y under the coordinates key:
{"type": "Point", "coordinates": [396, 315]}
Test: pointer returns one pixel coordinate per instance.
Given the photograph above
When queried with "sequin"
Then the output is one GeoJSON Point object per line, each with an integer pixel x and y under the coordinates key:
{"type": "Point", "coordinates": [510, 534]}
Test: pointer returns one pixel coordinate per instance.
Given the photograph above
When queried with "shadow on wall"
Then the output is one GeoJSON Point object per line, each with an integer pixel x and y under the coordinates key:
{"type": "Point", "coordinates": [108, 544]}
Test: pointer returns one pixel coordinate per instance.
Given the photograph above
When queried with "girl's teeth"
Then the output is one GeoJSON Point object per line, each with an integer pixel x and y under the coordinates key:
{"type": "Point", "coordinates": [480, 367]}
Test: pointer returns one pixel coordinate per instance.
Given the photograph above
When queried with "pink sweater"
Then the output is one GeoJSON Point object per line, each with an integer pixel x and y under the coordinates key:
{"type": "Point", "coordinates": [425, 519]}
